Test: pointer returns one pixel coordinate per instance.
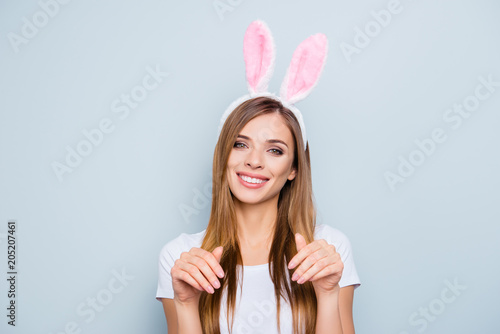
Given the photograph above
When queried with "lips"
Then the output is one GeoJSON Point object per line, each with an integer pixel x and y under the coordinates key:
{"type": "Point", "coordinates": [252, 175]}
{"type": "Point", "coordinates": [251, 185]}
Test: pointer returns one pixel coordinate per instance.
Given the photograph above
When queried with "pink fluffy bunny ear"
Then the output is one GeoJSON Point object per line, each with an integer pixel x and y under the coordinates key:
{"type": "Point", "coordinates": [259, 53]}
{"type": "Point", "coordinates": [305, 68]}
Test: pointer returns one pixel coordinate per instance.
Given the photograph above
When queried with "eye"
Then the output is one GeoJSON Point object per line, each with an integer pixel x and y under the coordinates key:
{"type": "Point", "coordinates": [237, 144]}
{"type": "Point", "coordinates": [275, 151]}
{"type": "Point", "coordinates": [278, 152]}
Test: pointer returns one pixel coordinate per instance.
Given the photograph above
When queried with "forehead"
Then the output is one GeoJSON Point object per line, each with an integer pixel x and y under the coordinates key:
{"type": "Point", "coordinates": [268, 126]}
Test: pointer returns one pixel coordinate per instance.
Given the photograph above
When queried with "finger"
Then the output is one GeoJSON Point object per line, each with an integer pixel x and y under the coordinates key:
{"type": "Point", "coordinates": [195, 263]}
{"type": "Point", "coordinates": [180, 274]}
{"type": "Point", "coordinates": [300, 241]}
{"type": "Point", "coordinates": [304, 253]}
{"type": "Point", "coordinates": [332, 262]}
{"type": "Point", "coordinates": [313, 270]}
{"type": "Point", "coordinates": [195, 273]}
{"type": "Point", "coordinates": [201, 261]}
{"type": "Point", "coordinates": [333, 269]}
{"type": "Point", "coordinates": [309, 262]}
{"type": "Point", "coordinates": [211, 260]}
{"type": "Point", "coordinates": [217, 253]}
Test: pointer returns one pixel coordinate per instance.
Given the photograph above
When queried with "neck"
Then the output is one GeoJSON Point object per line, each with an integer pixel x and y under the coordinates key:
{"type": "Point", "coordinates": [255, 223]}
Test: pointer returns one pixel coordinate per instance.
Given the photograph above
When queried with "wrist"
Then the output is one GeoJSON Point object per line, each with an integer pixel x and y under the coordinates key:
{"type": "Point", "coordinates": [327, 294]}
{"type": "Point", "coordinates": [188, 317]}
{"type": "Point", "coordinates": [186, 304]}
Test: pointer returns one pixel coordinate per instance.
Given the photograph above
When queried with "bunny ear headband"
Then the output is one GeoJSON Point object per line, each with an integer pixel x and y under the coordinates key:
{"type": "Point", "coordinates": [301, 77]}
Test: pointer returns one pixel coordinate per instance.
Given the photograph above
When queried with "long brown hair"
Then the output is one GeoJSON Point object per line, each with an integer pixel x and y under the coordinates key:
{"type": "Point", "coordinates": [296, 213]}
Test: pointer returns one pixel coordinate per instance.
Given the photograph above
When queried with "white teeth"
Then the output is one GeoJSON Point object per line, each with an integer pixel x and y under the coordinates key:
{"type": "Point", "coordinates": [251, 179]}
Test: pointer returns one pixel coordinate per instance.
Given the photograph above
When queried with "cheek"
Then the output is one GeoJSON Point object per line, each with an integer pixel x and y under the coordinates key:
{"type": "Point", "coordinates": [230, 160]}
{"type": "Point", "coordinates": [282, 168]}
{"type": "Point", "coordinates": [234, 157]}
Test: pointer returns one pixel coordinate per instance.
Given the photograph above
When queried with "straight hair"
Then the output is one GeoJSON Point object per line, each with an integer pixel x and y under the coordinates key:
{"type": "Point", "coordinates": [296, 214]}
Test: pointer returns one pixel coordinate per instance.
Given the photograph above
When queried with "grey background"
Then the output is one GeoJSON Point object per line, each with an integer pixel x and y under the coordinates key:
{"type": "Point", "coordinates": [124, 201]}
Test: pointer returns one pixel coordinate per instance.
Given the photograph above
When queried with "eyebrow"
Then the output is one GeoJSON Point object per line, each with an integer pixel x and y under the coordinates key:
{"type": "Point", "coordinates": [267, 141]}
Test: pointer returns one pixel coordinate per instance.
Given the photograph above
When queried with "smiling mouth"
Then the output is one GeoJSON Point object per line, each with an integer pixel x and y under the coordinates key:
{"type": "Point", "coordinates": [251, 179]}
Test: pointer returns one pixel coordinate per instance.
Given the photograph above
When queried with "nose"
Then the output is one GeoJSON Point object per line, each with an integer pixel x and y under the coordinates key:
{"type": "Point", "coordinates": [254, 159]}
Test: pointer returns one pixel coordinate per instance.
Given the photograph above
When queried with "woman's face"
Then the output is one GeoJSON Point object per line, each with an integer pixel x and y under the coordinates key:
{"type": "Point", "coordinates": [262, 155]}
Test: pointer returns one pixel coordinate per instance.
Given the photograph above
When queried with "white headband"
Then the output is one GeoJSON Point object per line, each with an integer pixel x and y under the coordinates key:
{"type": "Point", "coordinates": [301, 77]}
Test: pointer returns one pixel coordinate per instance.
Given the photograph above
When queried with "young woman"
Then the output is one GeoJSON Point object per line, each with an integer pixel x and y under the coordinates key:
{"type": "Point", "coordinates": [262, 265]}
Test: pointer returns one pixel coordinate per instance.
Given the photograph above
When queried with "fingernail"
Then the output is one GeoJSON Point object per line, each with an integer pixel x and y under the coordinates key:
{"type": "Point", "coordinates": [216, 284]}
{"type": "Point", "coordinates": [291, 265]}
{"type": "Point", "coordinates": [295, 276]}
{"type": "Point", "coordinates": [210, 289]}
{"type": "Point", "coordinates": [301, 280]}
{"type": "Point", "coordinates": [220, 273]}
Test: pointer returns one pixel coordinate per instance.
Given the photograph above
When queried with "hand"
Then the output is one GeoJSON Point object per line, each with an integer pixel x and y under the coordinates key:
{"type": "Point", "coordinates": [197, 270]}
{"type": "Point", "coordinates": [319, 263]}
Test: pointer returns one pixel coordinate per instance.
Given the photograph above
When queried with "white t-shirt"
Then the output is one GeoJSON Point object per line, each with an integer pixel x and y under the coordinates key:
{"type": "Point", "coordinates": [255, 311]}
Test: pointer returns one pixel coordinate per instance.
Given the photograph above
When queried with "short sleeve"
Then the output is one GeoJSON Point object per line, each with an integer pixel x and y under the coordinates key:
{"type": "Point", "coordinates": [166, 260]}
{"type": "Point", "coordinates": [165, 263]}
{"type": "Point", "coordinates": [343, 247]}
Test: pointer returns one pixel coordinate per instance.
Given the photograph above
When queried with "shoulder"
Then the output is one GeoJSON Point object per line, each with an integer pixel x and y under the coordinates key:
{"type": "Point", "coordinates": [183, 243]}
{"type": "Point", "coordinates": [169, 253]}
{"type": "Point", "coordinates": [331, 235]}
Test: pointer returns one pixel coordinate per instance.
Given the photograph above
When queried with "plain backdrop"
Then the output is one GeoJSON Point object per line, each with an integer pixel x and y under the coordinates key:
{"type": "Point", "coordinates": [108, 121]}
